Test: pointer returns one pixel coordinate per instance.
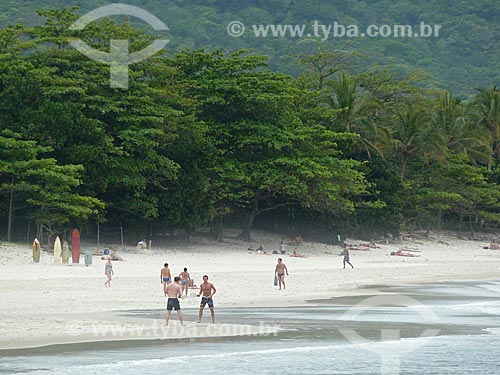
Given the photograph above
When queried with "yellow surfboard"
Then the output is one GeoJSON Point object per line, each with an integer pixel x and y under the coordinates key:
{"type": "Point", "coordinates": [57, 250]}
{"type": "Point", "coordinates": [36, 251]}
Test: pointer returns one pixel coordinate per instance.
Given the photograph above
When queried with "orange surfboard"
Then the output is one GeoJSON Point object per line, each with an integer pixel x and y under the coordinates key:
{"type": "Point", "coordinates": [75, 246]}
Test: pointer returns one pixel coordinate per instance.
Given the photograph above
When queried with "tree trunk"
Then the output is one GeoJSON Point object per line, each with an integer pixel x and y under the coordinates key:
{"type": "Point", "coordinates": [321, 79]}
{"type": "Point", "coordinates": [250, 217]}
{"type": "Point", "coordinates": [460, 227]}
{"type": "Point", "coordinates": [39, 233]}
{"type": "Point", "coordinates": [246, 234]}
{"type": "Point", "coordinates": [187, 234]}
{"type": "Point", "coordinates": [217, 228]}
{"type": "Point", "coordinates": [404, 161]}
{"type": "Point", "coordinates": [471, 227]}
{"type": "Point", "coordinates": [11, 206]}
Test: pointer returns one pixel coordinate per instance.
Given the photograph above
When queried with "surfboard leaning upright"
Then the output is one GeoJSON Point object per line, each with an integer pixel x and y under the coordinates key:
{"type": "Point", "coordinates": [36, 251]}
{"type": "Point", "coordinates": [75, 246]}
{"type": "Point", "coordinates": [65, 252]}
{"type": "Point", "coordinates": [57, 250]}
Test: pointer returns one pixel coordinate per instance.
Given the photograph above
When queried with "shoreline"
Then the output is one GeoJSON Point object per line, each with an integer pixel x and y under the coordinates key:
{"type": "Point", "coordinates": [155, 333]}
{"type": "Point", "coordinates": [41, 301]}
{"type": "Point", "coordinates": [129, 326]}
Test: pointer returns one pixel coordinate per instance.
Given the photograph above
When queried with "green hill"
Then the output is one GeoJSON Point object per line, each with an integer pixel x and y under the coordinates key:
{"type": "Point", "coordinates": [466, 54]}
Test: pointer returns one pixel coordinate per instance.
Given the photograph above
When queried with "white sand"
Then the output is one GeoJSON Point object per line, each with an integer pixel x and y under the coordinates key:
{"type": "Point", "coordinates": [45, 303]}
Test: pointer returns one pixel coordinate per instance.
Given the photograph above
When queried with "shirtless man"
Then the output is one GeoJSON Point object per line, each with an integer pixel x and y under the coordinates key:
{"type": "Point", "coordinates": [206, 289]}
{"type": "Point", "coordinates": [165, 277]}
{"type": "Point", "coordinates": [282, 248]}
{"type": "Point", "coordinates": [174, 292]}
{"type": "Point", "coordinates": [280, 272]}
{"type": "Point", "coordinates": [185, 280]}
{"type": "Point", "coordinates": [345, 253]}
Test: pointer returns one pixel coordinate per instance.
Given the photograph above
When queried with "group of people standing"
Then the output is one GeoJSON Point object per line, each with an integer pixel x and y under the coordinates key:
{"type": "Point", "coordinates": [175, 288]}
{"type": "Point", "coordinates": [184, 279]}
{"type": "Point", "coordinates": [181, 283]}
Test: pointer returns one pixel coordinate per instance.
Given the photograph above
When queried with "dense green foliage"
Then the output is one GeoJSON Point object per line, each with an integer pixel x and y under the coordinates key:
{"type": "Point", "coordinates": [466, 54]}
{"type": "Point", "coordinates": [210, 138]}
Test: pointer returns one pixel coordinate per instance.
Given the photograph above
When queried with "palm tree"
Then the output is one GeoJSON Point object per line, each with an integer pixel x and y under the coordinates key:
{"type": "Point", "coordinates": [357, 113]}
{"type": "Point", "coordinates": [413, 137]}
{"type": "Point", "coordinates": [458, 133]}
{"type": "Point", "coordinates": [487, 103]}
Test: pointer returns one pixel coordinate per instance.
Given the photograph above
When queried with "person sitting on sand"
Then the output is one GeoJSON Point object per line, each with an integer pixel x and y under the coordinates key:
{"type": "Point", "coordinates": [406, 236]}
{"type": "Point", "coordinates": [115, 256]}
{"type": "Point", "coordinates": [260, 248]}
{"type": "Point", "coordinates": [251, 248]}
{"type": "Point", "coordinates": [192, 283]}
{"type": "Point", "coordinates": [297, 254]}
{"type": "Point", "coordinates": [298, 240]}
{"type": "Point", "coordinates": [141, 245]}
{"type": "Point", "coordinates": [494, 245]}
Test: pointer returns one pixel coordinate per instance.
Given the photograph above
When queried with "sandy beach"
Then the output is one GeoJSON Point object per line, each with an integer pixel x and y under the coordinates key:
{"type": "Point", "coordinates": [45, 303]}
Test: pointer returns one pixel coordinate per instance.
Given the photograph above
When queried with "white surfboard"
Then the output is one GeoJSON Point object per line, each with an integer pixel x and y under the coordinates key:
{"type": "Point", "coordinates": [57, 250]}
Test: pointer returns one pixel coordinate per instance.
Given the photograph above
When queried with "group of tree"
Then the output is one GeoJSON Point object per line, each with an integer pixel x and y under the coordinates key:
{"type": "Point", "coordinates": [203, 139]}
{"type": "Point", "coordinates": [467, 45]}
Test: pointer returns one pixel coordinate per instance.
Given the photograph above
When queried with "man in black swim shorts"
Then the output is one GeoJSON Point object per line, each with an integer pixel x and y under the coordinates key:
{"type": "Point", "coordinates": [279, 272]}
{"type": "Point", "coordinates": [208, 290]}
{"type": "Point", "coordinates": [174, 292]}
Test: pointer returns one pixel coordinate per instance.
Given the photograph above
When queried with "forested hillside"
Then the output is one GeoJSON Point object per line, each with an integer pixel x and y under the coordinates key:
{"type": "Point", "coordinates": [465, 55]}
{"type": "Point", "coordinates": [213, 139]}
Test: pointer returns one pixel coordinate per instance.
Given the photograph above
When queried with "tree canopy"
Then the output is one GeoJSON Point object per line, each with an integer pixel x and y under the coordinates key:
{"type": "Point", "coordinates": [211, 138]}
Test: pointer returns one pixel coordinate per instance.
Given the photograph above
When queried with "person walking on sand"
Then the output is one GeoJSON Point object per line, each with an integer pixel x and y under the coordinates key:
{"type": "Point", "coordinates": [279, 271]}
{"type": "Point", "coordinates": [174, 293]}
{"type": "Point", "coordinates": [208, 290]}
{"type": "Point", "coordinates": [108, 271]}
{"type": "Point", "coordinates": [184, 275]}
{"type": "Point", "coordinates": [345, 253]}
{"type": "Point", "coordinates": [165, 277]}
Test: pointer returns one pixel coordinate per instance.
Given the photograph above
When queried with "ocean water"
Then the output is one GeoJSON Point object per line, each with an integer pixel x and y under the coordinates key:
{"type": "Point", "coordinates": [358, 335]}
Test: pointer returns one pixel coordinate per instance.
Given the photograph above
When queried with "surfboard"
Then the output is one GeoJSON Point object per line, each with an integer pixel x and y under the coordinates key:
{"type": "Point", "coordinates": [75, 245]}
{"type": "Point", "coordinates": [57, 250]}
{"type": "Point", "coordinates": [65, 252]}
{"type": "Point", "coordinates": [36, 251]}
